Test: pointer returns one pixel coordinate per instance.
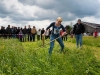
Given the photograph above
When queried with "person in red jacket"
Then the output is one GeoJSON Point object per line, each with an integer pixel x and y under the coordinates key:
{"type": "Point", "coordinates": [95, 34]}
{"type": "Point", "coordinates": [61, 32]}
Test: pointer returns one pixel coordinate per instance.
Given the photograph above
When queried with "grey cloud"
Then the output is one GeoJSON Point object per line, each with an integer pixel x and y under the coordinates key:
{"type": "Point", "coordinates": [18, 17]}
{"type": "Point", "coordinates": [79, 9]}
{"type": "Point", "coordinates": [3, 11]}
{"type": "Point", "coordinates": [28, 2]}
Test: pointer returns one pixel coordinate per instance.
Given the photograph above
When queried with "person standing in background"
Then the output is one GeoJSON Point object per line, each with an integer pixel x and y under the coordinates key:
{"type": "Point", "coordinates": [17, 31]}
{"type": "Point", "coordinates": [33, 31]}
{"type": "Point", "coordinates": [42, 31]}
{"type": "Point", "coordinates": [13, 32]}
{"type": "Point", "coordinates": [65, 37]}
{"type": "Point", "coordinates": [29, 33]}
{"type": "Point", "coordinates": [24, 33]}
{"type": "Point", "coordinates": [61, 32]}
{"type": "Point", "coordinates": [38, 34]}
{"type": "Point", "coordinates": [78, 31]}
{"type": "Point", "coordinates": [8, 31]}
{"type": "Point", "coordinates": [47, 34]}
{"type": "Point", "coordinates": [95, 34]}
{"type": "Point", "coordinates": [20, 34]}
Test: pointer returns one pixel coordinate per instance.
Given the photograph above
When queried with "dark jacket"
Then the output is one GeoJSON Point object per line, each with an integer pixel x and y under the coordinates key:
{"type": "Point", "coordinates": [13, 31]}
{"type": "Point", "coordinates": [42, 31]}
{"type": "Point", "coordinates": [78, 29]}
{"type": "Point", "coordinates": [17, 31]}
{"type": "Point", "coordinates": [24, 31]}
{"type": "Point", "coordinates": [8, 30]}
{"type": "Point", "coordinates": [0, 31]}
{"type": "Point", "coordinates": [29, 30]}
{"type": "Point", "coordinates": [3, 31]}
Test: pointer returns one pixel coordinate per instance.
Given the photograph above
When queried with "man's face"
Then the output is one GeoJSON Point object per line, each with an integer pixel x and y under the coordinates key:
{"type": "Point", "coordinates": [25, 27]}
{"type": "Point", "coordinates": [79, 21]}
{"type": "Point", "coordinates": [29, 26]}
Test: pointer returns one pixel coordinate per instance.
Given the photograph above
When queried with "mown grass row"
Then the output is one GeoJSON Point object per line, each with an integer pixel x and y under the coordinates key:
{"type": "Point", "coordinates": [18, 58]}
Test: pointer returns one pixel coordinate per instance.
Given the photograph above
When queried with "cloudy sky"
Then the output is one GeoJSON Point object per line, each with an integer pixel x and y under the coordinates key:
{"type": "Point", "coordinates": [41, 13]}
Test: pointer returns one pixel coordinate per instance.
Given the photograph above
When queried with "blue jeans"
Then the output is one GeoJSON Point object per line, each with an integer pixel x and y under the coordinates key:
{"type": "Point", "coordinates": [59, 40]}
{"type": "Point", "coordinates": [78, 40]}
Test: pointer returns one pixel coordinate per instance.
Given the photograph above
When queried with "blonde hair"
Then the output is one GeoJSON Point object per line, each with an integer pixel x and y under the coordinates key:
{"type": "Point", "coordinates": [59, 19]}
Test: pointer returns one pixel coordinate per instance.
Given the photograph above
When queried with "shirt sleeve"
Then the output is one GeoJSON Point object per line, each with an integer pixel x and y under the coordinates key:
{"type": "Point", "coordinates": [50, 26]}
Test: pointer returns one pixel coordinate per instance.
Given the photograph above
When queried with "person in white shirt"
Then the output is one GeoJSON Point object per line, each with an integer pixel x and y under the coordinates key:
{"type": "Point", "coordinates": [38, 34]}
{"type": "Point", "coordinates": [47, 34]}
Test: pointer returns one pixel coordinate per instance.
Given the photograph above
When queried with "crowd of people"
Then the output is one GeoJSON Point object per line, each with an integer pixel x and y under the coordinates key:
{"type": "Point", "coordinates": [25, 34]}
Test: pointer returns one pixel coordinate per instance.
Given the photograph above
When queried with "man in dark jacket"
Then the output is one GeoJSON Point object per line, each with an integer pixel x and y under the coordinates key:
{"type": "Point", "coordinates": [13, 32]}
{"type": "Point", "coordinates": [2, 32]}
{"type": "Point", "coordinates": [42, 31]}
{"type": "Point", "coordinates": [17, 31]}
{"type": "Point", "coordinates": [24, 33]}
{"type": "Point", "coordinates": [78, 30]}
{"type": "Point", "coordinates": [8, 31]}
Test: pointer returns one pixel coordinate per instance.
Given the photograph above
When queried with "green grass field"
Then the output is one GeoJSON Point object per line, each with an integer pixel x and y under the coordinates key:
{"type": "Point", "coordinates": [31, 58]}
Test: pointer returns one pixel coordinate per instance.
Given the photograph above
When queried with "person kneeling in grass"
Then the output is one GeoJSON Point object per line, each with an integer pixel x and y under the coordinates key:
{"type": "Point", "coordinates": [56, 26]}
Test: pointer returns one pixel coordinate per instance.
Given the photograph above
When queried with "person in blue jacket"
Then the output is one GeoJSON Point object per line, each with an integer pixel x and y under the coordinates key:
{"type": "Point", "coordinates": [56, 27]}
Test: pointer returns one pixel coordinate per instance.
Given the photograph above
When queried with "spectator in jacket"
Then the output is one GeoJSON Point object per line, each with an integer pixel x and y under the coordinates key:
{"type": "Point", "coordinates": [38, 34]}
{"type": "Point", "coordinates": [61, 32]}
{"type": "Point", "coordinates": [66, 36]}
{"type": "Point", "coordinates": [20, 35]}
{"type": "Point", "coordinates": [78, 30]}
{"type": "Point", "coordinates": [29, 33]}
{"type": "Point", "coordinates": [3, 32]}
{"type": "Point", "coordinates": [95, 34]}
{"type": "Point", "coordinates": [8, 31]}
{"type": "Point", "coordinates": [13, 32]}
{"type": "Point", "coordinates": [42, 31]}
{"type": "Point", "coordinates": [33, 31]}
{"type": "Point", "coordinates": [24, 33]}
{"type": "Point", "coordinates": [47, 34]}
{"type": "Point", "coordinates": [17, 31]}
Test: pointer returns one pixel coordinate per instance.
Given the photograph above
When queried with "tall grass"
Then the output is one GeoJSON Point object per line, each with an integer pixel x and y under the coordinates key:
{"type": "Point", "coordinates": [18, 58]}
{"type": "Point", "coordinates": [90, 40]}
